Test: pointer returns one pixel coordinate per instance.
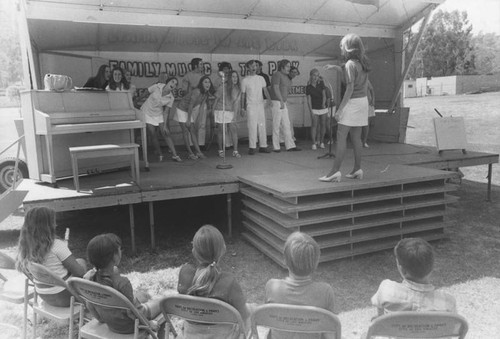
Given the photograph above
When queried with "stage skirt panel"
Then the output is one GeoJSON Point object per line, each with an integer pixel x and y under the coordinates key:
{"type": "Point", "coordinates": [355, 113]}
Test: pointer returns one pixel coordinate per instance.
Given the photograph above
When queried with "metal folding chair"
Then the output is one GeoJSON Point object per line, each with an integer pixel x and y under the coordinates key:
{"type": "Point", "coordinates": [419, 325]}
{"type": "Point", "coordinates": [295, 319]}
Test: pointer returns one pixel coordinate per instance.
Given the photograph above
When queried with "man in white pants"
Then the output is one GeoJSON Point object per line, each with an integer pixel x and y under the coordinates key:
{"type": "Point", "coordinates": [280, 84]}
{"type": "Point", "coordinates": [252, 101]}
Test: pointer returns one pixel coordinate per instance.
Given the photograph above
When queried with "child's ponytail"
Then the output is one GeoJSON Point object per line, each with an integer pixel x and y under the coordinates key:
{"type": "Point", "coordinates": [208, 248]}
{"type": "Point", "coordinates": [101, 251]}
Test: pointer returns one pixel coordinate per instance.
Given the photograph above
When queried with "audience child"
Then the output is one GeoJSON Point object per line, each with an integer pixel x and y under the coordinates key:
{"type": "Point", "coordinates": [352, 112]}
{"type": "Point", "coordinates": [38, 243]}
{"type": "Point", "coordinates": [316, 101]}
{"type": "Point", "coordinates": [117, 82]}
{"type": "Point", "coordinates": [206, 279]}
{"type": "Point", "coordinates": [101, 79]}
{"type": "Point", "coordinates": [156, 112]}
{"type": "Point", "coordinates": [252, 102]}
{"type": "Point", "coordinates": [415, 261]}
{"type": "Point", "coordinates": [192, 110]}
{"type": "Point", "coordinates": [371, 115]}
{"type": "Point", "coordinates": [104, 252]}
{"type": "Point", "coordinates": [301, 258]}
{"type": "Point", "coordinates": [227, 113]}
{"type": "Point", "coordinates": [132, 88]}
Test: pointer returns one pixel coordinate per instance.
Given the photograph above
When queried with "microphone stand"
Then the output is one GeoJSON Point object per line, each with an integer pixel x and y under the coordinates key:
{"type": "Point", "coordinates": [224, 165]}
{"type": "Point", "coordinates": [330, 128]}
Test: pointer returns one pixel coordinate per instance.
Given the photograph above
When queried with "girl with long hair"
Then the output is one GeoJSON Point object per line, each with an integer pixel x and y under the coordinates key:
{"type": "Point", "coordinates": [39, 244]}
{"type": "Point", "coordinates": [352, 113]}
{"type": "Point", "coordinates": [118, 81]}
{"type": "Point", "coordinates": [226, 114]}
{"type": "Point", "coordinates": [206, 279]}
{"type": "Point", "coordinates": [187, 120]}
{"type": "Point", "coordinates": [316, 101]}
{"type": "Point", "coordinates": [156, 110]}
{"type": "Point", "coordinates": [101, 79]}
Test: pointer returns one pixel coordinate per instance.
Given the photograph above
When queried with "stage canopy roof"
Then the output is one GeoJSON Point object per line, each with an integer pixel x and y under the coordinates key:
{"type": "Point", "coordinates": [257, 27]}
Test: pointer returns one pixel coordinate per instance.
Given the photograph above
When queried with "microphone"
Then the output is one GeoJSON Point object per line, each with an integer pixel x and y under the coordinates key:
{"type": "Point", "coordinates": [222, 74]}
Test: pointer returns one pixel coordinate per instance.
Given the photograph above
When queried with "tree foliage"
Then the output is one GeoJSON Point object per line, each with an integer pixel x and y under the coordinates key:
{"type": "Point", "coordinates": [486, 53]}
{"type": "Point", "coordinates": [10, 50]}
{"type": "Point", "coordinates": [446, 46]}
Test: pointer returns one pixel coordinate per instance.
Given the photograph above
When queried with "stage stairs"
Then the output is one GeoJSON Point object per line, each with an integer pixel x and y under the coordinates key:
{"type": "Point", "coordinates": [349, 218]}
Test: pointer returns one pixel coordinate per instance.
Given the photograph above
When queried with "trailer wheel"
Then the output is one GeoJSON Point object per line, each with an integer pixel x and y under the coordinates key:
{"type": "Point", "coordinates": [7, 166]}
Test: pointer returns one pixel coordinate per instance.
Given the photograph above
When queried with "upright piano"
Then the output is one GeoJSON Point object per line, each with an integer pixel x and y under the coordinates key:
{"type": "Point", "coordinates": [55, 121]}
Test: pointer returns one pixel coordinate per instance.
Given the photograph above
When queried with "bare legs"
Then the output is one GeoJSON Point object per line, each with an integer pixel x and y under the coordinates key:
{"type": "Point", "coordinates": [232, 132]}
{"type": "Point", "coordinates": [314, 128]}
{"type": "Point", "coordinates": [190, 131]}
{"type": "Point", "coordinates": [342, 132]}
{"type": "Point", "coordinates": [322, 128]}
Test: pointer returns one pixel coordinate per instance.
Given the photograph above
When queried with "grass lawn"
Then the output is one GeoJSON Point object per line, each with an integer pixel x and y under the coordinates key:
{"type": "Point", "coordinates": [467, 262]}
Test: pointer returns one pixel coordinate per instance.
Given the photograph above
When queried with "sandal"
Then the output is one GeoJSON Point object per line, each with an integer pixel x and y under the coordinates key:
{"type": "Point", "coordinates": [221, 154]}
{"type": "Point", "coordinates": [176, 158]}
{"type": "Point", "coordinates": [201, 155]}
{"type": "Point", "coordinates": [192, 156]}
{"type": "Point", "coordinates": [236, 154]}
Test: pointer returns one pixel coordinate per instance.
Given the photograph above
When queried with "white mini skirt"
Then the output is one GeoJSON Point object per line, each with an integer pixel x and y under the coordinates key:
{"type": "Point", "coordinates": [223, 117]}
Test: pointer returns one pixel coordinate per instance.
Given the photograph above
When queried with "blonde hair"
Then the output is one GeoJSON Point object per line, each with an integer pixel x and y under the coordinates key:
{"type": "Point", "coordinates": [301, 254]}
{"type": "Point", "coordinates": [352, 48]}
{"type": "Point", "coordinates": [37, 237]}
{"type": "Point", "coordinates": [208, 248]}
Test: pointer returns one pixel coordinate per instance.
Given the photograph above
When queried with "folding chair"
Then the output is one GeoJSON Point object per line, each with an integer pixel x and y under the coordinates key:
{"type": "Point", "coordinates": [295, 319]}
{"type": "Point", "coordinates": [201, 310]}
{"type": "Point", "coordinates": [104, 296]}
{"type": "Point", "coordinates": [61, 315]}
{"type": "Point", "coordinates": [419, 325]}
{"type": "Point", "coordinates": [15, 287]}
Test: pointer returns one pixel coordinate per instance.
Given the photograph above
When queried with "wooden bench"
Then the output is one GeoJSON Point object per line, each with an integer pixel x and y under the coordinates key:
{"type": "Point", "coordinates": [98, 151]}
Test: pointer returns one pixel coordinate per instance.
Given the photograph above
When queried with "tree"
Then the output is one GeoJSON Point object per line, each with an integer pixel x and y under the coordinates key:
{"type": "Point", "coordinates": [446, 47]}
{"type": "Point", "coordinates": [10, 50]}
{"type": "Point", "coordinates": [486, 53]}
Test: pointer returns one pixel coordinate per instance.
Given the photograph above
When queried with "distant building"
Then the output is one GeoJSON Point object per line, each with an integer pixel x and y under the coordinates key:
{"type": "Point", "coordinates": [451, 85]}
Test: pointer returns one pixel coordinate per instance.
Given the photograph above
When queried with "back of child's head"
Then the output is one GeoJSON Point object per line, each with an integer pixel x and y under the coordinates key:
{"type": "Point", "coordinates": [208, 248]}
{"type": "Point", "coordinates": [416, 257]}
{"type": "Point", "coordinates": [102, 248]}
{"type": "Point", "coordinates": [301, 254]}
{"type": "Point", "coordinates": [37, 236]}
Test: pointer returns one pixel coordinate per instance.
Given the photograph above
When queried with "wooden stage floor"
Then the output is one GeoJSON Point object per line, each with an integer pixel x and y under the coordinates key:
{"type": "Point", "coordinates": [170, 180]}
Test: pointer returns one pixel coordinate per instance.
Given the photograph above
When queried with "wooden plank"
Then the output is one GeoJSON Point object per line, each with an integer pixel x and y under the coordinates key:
{"type": "Point", "coordinates": [264, 248]}
{"type": "Point", "coordinates": [189, 192]}
{"type": "Point", "coordinates": [270, 239]}
{"type": "Point", "coordinates": [332, 214]}
{"type": "Point", "coordinates": [269, 225]}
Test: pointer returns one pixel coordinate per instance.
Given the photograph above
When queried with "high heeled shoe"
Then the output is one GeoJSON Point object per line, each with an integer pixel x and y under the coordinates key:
{"type": "Point", "coordinates": [335, 177]}
{"type": "Point", "coordinates": [355, 175]}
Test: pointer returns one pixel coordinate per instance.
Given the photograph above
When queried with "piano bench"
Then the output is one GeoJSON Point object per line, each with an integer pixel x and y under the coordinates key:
{"type": "Point", "coordinates": [99, 151]}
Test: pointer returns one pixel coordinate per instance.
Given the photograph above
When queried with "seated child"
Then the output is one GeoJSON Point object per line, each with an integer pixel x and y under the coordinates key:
{"type": "Point", "coordinates": [415, 261]}
{"type": "Point", "coordinates": [207, 280]}
{"type": "Point", "coordinates": [301, 258]}
{"type": "Point", "coordinates": [104, 252]}
{"type": "Point", "coordinates": [39, 243]}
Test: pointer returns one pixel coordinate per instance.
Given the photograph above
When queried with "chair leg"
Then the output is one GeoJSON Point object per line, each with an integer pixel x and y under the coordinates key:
{"type": "Point", "coordinates": [25, 311]}
{"type": "Point", "coordinates": [71, 312]}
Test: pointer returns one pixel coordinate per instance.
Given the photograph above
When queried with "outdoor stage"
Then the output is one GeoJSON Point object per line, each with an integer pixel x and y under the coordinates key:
{"type": "Point", "coordinates": [406, 176]}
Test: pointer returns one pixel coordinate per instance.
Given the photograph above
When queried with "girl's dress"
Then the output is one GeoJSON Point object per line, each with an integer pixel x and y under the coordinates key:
{"type": "Point", "coordinates": [152, 108]}
{"type": "Point", "coordinates": [355, 113]}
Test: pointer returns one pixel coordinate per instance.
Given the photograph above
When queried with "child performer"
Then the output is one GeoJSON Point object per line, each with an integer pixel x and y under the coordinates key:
{"type": "Point", "coordinates": [316, 101]}
{"type": "Point", "coordinates": [156, 110]}
{"type": "Point", "coordinates": [207, 280]}
{"type": "Point", "coordinates": [104, 252]}
{"type": "Point", "coordinates": [301, 258]}
{"type": "Point", "coordinates": [415, 261]}
{"type": "Point", "coordinates": [352, 112]}
{"type": "Point", "coordinates": [232, 106]}
{"type": "Point", "coordinates": [185, 116]}
{"type": "Point", "coordinates": [38, 243]}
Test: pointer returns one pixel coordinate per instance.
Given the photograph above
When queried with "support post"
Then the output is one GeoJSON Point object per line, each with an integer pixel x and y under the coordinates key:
{"type": "Point", "coordinates": [132, 226]}
{"type": "Point", "coordinates": [490, 173]}
{"type": "Point", "coordinates": [229, 216]}
{"type": "Point", "coordinates": [152, 224]}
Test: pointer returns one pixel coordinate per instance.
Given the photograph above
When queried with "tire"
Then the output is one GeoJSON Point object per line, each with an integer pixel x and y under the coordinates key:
{"type": "Point", "coordinates": [7, 166]}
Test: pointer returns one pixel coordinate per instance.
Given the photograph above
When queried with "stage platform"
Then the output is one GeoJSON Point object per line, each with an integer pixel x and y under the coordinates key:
{"type": "Point", "coordinates": [285, 174]}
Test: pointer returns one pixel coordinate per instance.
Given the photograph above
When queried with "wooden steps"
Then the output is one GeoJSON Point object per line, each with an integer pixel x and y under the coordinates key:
{"type": "Point", "coordinates": [348, 220]}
